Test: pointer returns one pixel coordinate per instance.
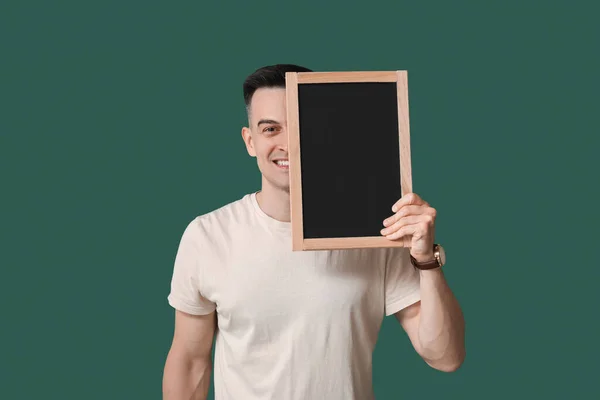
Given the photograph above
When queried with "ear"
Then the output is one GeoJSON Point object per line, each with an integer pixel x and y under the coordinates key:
{"type": "Point", "coordinates": [247, 136]}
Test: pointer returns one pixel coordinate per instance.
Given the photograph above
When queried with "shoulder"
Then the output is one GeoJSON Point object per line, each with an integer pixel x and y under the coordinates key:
{"type": "Point", "coordinates": [213, 225]}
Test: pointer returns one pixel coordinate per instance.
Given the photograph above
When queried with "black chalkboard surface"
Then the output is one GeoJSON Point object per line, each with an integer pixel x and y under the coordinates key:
{"type": "Point", "coordinates": [349, 151]}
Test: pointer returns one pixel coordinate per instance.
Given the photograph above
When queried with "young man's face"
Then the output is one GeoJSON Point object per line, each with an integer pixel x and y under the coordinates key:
{"type": "Point", "coordinates": [266, 138]}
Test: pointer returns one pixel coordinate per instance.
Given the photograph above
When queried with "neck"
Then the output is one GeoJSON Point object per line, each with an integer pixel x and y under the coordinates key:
{"type": "Point", "coordinates": [274, 202]}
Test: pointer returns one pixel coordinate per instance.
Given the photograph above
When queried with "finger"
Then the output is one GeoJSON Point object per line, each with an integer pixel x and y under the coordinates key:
{"type": "Point", "coordinates": [400, 222]}
{"type": "Point", "coordinates": [404, 212]}
{"type": "Point", "coordinates": [405, 230]}
{"type": "Point", "coordinates": [407, 199]}
{"type": "Point", "coordinates": [419, 229]}
{"type": "Point", "coordinates": [410, 210]}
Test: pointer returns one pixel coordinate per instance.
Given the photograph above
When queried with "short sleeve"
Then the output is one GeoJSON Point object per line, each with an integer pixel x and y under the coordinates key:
{"type": "Point", "coordinates": [402, 281]}
{"type": "Point", "coordinates": [185, 294]}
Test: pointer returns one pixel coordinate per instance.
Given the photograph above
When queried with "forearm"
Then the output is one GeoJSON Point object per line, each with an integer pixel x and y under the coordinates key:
{"type": "Point", "coordinates": [441, 323]}
{"type": "Point", "coordinates": [186, 379]}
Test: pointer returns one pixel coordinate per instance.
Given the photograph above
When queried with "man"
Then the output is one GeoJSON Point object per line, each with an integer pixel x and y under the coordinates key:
{"type": "Point", "coordinates": [298, 325]}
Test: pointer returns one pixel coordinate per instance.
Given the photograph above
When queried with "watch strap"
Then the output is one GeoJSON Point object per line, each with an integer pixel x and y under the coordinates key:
{"type": "Point", "coordinates": [427, 264]}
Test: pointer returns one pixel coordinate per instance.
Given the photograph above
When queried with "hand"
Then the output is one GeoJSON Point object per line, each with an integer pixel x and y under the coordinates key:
{"type": "Point", "coordinates": [413, 216]}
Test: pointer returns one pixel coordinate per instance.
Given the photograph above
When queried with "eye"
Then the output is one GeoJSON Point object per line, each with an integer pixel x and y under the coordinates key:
{"type": "Point", "coordinates": [270, 129]}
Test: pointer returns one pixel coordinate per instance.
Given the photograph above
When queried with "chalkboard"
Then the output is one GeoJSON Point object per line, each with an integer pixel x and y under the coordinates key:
{"type": "Point", "coordinates": [349, 152]}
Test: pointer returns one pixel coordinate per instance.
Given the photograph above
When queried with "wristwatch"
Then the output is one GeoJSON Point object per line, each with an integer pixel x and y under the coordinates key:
{"type": "Point", "coordinates": [439, 259]}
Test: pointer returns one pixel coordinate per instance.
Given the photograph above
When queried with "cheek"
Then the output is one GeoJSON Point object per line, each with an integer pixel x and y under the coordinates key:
{"type": "Point", "coordinates": [262, 156]}
{"type": "Point", "coordinates": [264, 151]}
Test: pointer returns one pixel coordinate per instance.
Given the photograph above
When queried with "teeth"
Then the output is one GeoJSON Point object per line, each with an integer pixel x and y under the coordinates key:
{"type": "Point", "coordinates": [283, 163]}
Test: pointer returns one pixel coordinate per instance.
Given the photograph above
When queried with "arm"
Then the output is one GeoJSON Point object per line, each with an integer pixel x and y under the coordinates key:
{"type": "Point", "coordinates": [188, 366]}
{"type": "Point", "coordinates": [435, 325]}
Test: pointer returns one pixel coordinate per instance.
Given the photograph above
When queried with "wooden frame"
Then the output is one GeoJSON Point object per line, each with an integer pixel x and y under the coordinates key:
{"type": "Point", "coordinates": [294, 79]}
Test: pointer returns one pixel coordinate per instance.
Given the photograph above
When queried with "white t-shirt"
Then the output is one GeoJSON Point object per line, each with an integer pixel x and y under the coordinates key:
{"type": "Point", "coordinates": [291, 325]}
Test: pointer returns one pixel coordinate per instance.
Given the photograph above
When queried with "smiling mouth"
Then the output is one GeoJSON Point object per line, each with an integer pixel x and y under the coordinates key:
{"type": "Point", "coordinates": [282, 163]}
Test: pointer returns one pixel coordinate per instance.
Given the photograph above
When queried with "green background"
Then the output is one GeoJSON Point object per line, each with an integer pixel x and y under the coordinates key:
{"type": "Point", "coordinates": [120, 122]}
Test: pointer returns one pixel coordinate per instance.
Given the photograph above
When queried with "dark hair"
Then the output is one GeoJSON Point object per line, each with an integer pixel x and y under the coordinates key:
{"type": "Point", "coordinates": [268, 76]}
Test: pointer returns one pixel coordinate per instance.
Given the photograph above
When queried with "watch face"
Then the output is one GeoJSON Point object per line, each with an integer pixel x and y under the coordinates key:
{"type": "Point", "coordinates": [441, 254]}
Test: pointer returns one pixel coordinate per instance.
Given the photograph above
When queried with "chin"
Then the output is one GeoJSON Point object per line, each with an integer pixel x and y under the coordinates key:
{"type": "Point", "coordinates": [283, 187]}
{"type": "Point", "coordinates": [279, 185]}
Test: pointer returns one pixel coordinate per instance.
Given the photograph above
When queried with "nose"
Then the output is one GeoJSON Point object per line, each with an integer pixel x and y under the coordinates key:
{"type": "Point", "coordinates": [282, 141]}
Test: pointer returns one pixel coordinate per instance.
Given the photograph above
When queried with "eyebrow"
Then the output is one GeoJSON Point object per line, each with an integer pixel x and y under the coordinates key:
{"type": "Point", "coordinates": [268, 121]}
